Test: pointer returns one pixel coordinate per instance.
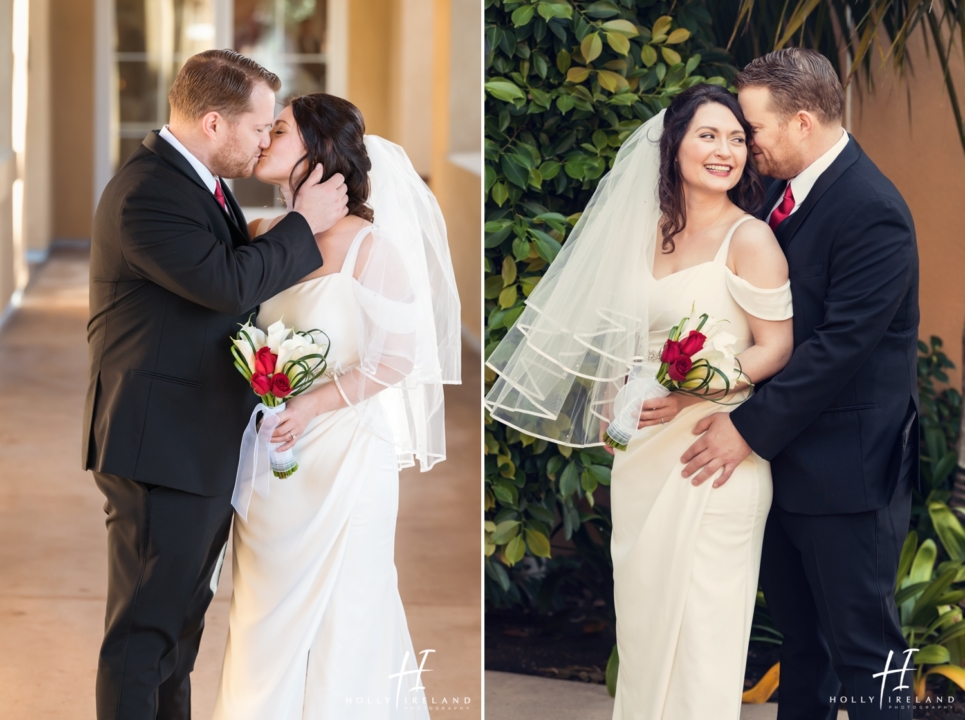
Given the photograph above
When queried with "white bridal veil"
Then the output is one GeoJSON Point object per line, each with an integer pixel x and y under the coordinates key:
{"type": "Point", "coordinates": [409, 321]}
{"type": "Point", "coordinates": [585, 325]}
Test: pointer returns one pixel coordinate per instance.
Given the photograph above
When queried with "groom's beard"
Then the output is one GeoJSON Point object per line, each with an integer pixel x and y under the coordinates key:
{"type": "Point", "coordinates": [232, 161]}
{"type": "Point", "coordinates": [783, 168]}
{"type": "Point", "coordinates": [785, 161]}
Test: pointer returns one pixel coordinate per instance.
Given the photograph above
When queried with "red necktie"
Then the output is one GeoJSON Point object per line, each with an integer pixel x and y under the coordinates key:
{"type": "Point", "coordinates": [219, 195]}
{"type": "Point", "coordinates": [783, 210]}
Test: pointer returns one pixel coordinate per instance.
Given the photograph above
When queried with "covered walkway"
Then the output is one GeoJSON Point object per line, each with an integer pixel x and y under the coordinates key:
{"type": "Point", "coordinates": [53, 542]}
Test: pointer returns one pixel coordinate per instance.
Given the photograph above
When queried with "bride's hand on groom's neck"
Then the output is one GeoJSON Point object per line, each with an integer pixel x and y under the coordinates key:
{"type": "Point", "coordinates": [322, 204]}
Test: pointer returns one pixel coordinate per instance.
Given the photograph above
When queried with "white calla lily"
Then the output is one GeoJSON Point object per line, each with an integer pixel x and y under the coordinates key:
{"type": "Point", "coordinates": [256, 334]}
{"type": "Point", "coordinates": [288, 347]}
{"type": "Point", "coordinates": [246, 352]}
{"type": "Point", "coordinates": [277, 332]}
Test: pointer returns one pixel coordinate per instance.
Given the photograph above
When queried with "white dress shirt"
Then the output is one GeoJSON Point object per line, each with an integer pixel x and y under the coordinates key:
{"type": "Point", "coordinates": [802, 184]}
{"type": "Point", "coordinates": [207, 177]}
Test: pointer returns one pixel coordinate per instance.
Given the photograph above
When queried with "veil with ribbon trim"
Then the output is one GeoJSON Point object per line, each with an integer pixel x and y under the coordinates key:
{"type": "Point", "coordinates": [585, 326]}
{"type": "Point", "coordinates": [409, 320]}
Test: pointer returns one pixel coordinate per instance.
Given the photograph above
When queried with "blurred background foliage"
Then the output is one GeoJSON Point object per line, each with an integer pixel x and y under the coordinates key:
{"type": "Point", "coordinates": [566, 83]}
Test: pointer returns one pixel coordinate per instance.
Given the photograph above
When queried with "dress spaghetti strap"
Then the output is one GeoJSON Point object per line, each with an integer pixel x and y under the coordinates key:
{"type": "Point", "coordinates": [721, 256]}
{"type": "Point", "coordinates": [348, 266]}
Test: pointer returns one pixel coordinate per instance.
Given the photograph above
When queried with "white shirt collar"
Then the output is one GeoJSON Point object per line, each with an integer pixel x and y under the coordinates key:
{"type": "Point", "coordinates": [207, 177]}
{"type": "Point", "coordinates": [802, 184]}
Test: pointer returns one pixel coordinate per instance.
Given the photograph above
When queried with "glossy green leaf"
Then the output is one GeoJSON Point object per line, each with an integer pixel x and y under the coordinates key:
{"type": "Point", "coordinates": [624, 27]}
{"type": "Point", "coordinates": [612, 672]}
{"type": "Point", "coordinates": [949, 529]}
{"type": "Point", "coordinates": [591, 47]}
{"type": "Point", "coordinates": [504, 90]}
{"type": "Point", "coordinates": [507, 298]}
{"type": "Point", "coordinates": [563, 61]}
{"type": "Point", "coordinates": [931, 655]}
{"type": "Point", "coordinates": [569, 480]}
{"type": "Point", "coordinates": [508, 271]}
{"type": "Point", "coordinates": [492, 286]}
{"type": "Point", "coordinates": [618, 42]}
{"type": "Point", "coordinates": [648, 55]}
{"type": "Point", "coordinates": [662, 25]}
{"type": "Point", "coordinates": [547, 247]}
{"type": "Point", "coordinates": [523, 14]}
{"type": "Point", "coordinates": [514, 171]}
{"type": "Point", "coordinates": [505, 531]}
{"type": "Point", "coordinates": [577, 74]}
{"type": "Point", "coordinates": [602, 10]}
{"type": "Point", "coordinates": [515, 550]}
{"type": "Point", "coordinates": [671, 56]}
{"type": "Point", "coordinates": [539, 544]}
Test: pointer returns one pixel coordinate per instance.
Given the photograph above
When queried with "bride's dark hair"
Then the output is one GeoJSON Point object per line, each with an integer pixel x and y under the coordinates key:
{"type": "Point", "coordinates": [334, 135]}
{"type": "Point", "coordinates": [747, 194]}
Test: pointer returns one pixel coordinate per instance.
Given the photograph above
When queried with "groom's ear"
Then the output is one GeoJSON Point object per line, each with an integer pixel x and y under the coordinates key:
{"type": "Point", "coordinates": [213, 123]}
{"type": "Point", "coordinates": [804, 123]}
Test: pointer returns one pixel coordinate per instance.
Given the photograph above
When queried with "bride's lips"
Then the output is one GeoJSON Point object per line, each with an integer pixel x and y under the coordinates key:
{"type": "Point", "coordinates": [719, 169]}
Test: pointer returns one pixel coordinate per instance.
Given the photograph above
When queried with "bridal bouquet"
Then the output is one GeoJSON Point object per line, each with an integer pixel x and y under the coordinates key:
{"type": "Point", "coordinates": [698, 359]}
{"type": "Point", "coordinates": [278, 364]}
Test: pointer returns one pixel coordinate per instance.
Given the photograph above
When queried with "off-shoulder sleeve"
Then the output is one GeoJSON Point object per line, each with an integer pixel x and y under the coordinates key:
{"type": "Point", "coordinates": [766, 304]}
{"type": "Point", "coordinates": [398, 356]}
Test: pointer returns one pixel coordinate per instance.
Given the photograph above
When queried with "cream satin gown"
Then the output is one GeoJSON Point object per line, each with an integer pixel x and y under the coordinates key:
{"type": "Point", "coordinates": [316, 627]}
{"type": "Point", "coordinates": [685, 558]}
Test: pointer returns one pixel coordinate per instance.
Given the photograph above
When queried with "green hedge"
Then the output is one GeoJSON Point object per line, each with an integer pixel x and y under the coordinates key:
{"type": "Point", "coordinates": [567, 82]}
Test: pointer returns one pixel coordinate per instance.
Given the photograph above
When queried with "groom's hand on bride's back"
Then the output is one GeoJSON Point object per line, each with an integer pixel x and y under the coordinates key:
{"type": "Point", "coordinates": [322, 204]}
{"type": "Point", "coordinates": [720, 446]}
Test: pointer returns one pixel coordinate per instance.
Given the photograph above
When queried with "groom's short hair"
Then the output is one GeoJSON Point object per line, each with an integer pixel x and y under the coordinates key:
{"type": "Point", "coordinates": [798, 79]}
{"type": "Point", "coordinates": [217, 81]}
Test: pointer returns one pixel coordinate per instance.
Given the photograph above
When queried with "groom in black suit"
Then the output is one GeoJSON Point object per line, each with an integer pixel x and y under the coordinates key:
{"type": "Point", "coordinates": [839, 423]}
{"type": "Point", "coordinates": [173, 272]}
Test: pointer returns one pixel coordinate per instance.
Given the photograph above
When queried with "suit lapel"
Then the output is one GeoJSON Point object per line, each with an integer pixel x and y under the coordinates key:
{"type": "Point", "coordinates": [161, 147]}
{"type": "Point", "coordinates": [848, 157]}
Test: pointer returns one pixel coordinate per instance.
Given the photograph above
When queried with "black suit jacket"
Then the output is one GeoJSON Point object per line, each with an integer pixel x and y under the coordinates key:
{"type": "Point", "coordinates": [171, 277]}
{"type": "Point", "coordinates": [835, 421]}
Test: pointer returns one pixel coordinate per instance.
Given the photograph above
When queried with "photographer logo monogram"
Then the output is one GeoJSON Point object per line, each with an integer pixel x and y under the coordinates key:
{"type": "Point", "coordinates": [405, 699]}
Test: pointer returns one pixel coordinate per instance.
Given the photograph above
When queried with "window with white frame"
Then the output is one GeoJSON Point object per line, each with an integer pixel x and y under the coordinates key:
{"type": "Point", "coordinates": [151, 40]}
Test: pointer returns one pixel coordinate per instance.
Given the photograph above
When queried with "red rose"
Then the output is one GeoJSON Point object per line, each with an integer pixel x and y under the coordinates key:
{"type": "Point", "coordinates": [679, 368]}
{"type": "Point", "coordinates": [280, 387]}
{"type": "Point", "coordinates": [261, 384]}
{"type": "Point", "coordinates": [671, 351]}
{"type": "Point", "coordinates": [693, 343]}
{"type": "Point", "coordinates": [265, 361]}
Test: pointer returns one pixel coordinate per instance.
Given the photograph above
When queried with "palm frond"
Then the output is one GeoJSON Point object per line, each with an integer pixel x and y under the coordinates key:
{"type": "Point", "coordinates": [864, 34]}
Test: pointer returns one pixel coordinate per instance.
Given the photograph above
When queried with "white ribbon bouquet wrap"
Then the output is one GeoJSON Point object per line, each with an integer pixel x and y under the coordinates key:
{"type": "Point", "coordinates": [277, 364]}
{"type": "Point", "coordinates": [642, 385]}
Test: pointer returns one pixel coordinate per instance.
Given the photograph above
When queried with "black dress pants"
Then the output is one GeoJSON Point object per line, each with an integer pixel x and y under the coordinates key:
{"type": "Point", "coordinates": [163, 547]}
{"type": "Point", "coordinates": [829, 582]}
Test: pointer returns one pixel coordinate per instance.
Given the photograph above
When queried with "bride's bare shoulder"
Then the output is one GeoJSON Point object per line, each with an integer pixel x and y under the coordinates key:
{"type": "Point", "coordinates": [756, 256]}
{"type": "Point", "coordinates": [754, 232]}
{"type": "Point", "coordinates": [335, 242]}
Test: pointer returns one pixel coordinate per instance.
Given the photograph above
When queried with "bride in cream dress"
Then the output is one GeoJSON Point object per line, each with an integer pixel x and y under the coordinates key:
{"type": "Point", "coordinates": [317, 628]}
{"type": "Point", "coordinates": [685, 557]}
